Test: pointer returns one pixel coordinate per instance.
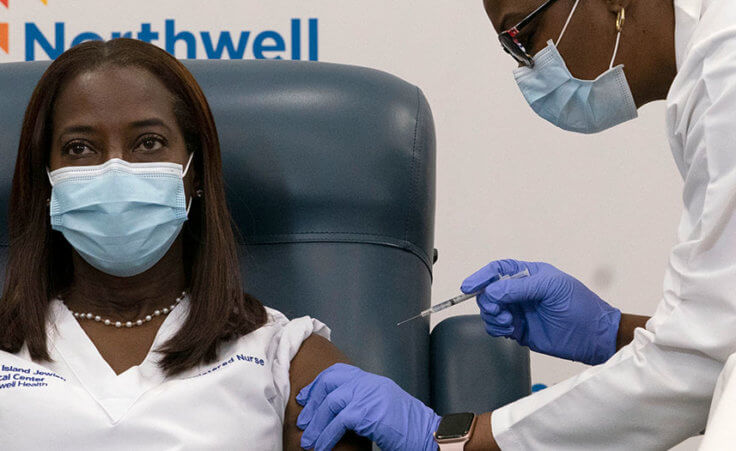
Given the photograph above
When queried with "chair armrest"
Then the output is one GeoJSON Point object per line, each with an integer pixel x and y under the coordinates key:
{"type": "Point", "coordinates": [472, 371]}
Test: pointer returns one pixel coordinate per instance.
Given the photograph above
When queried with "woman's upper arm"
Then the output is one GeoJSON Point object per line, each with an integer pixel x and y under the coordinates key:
{"type": "Point", "coordinates": [315, 354]}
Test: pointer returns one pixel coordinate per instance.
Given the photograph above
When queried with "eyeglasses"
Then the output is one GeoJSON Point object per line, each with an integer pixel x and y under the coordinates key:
{"type": "Point", "coordinates": [512, 45]}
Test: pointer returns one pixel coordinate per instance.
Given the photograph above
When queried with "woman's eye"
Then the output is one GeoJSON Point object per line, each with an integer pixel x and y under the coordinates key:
{"type": "Point", "coordinates": [150, 144]}
{"type": "Point", "coordinates": [77, 149]}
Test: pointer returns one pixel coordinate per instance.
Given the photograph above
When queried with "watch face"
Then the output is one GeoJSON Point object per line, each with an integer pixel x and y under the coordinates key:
{"type": "Point", "coordinates": [454, 426]}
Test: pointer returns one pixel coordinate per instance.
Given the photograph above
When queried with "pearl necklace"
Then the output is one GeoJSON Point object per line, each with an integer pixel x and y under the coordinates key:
{"type": "Point", "coordinates": [119, 324]}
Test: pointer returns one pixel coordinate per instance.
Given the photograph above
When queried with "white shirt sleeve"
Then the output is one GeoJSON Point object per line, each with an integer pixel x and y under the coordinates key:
{"type": "Point", "coordinates": [720, 433]}
{"type": "Point", "coordinates": [657, 391]}
{"type": "Point", "coordinates": [286, 342]}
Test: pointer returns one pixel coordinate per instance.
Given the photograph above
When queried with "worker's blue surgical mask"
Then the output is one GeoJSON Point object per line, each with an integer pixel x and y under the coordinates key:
{"type": "Point", "coordinates": [120, 217]}
{"type": "Point", "coordinates": [583, 106]}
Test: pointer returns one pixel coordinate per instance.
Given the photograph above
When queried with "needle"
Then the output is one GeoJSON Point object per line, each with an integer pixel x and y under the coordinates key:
{"type": "Point", "coordinates": [464, 297]}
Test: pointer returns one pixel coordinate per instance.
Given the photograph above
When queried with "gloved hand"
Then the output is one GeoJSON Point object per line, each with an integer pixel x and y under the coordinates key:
{"type": "Point", "coordinates": [549, 311]}
{"type": "Point", "coordinates": [344, 397]}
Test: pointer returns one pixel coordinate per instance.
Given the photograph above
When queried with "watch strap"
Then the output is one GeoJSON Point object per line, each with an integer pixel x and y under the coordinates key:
{"type": "Point", "coordinates": [453, 446]}
{"type": "Point", "coordinates": [459, 443]}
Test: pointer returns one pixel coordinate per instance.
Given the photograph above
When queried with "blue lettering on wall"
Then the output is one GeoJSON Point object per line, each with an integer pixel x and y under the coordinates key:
{"type": "Point", "coordinates": [146, 35]}
{"type": "Point", "coordinates": [225, 41]}
{"type": "Point", "coordinates": [34, 35]}
{"type": "Point", "coordinates": [313, 40]}
{"type": "Point", "coordinates": [172, 37]}
{"type": "Point", "coordinates": [268, 41]}
{"type": "Point", "coordinates": [268, 44]}
{"type": "Point", "coordinates": [296, 39]}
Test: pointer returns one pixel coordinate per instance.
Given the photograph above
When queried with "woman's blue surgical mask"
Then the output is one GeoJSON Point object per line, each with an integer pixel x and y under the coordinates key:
{"type": "Point", "coordinates": [120, 217]}
{"type": "Point", "coordinates": [583, 106]}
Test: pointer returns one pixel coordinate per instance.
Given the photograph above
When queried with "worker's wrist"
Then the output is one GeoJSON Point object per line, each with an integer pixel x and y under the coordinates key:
{"type": "Point", "coordinates": [629, 323]}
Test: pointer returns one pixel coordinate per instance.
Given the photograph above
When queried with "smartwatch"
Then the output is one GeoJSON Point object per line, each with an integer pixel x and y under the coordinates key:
{"type": "Point", "coordinates": [454, 431]}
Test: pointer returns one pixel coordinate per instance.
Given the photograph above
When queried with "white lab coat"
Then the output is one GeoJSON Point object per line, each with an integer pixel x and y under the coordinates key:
{"type": "Point", "coordinates": [77, 402]}
{"type": "Point", "coordinates": [657, 391]}
{"type": "Point", "coordinates": [720, 433]}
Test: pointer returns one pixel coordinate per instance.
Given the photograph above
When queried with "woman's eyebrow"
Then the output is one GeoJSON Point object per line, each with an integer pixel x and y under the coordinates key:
{"type": "Point", "coordinates": [149, 123]}
{"type": "Point", "coordinates": [77, 129]}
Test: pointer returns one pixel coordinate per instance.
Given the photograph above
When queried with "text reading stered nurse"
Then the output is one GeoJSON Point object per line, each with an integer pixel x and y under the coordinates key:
{"type": "Point", "coordinates": [123, 323]}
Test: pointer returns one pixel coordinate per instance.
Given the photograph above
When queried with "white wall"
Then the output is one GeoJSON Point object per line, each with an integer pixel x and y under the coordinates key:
{"type": "Point", "coordinates": [603, 208]}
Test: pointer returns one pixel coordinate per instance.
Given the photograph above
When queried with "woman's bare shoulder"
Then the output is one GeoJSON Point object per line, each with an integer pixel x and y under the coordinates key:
{"type": "Point", "coordinates": [315, 355]}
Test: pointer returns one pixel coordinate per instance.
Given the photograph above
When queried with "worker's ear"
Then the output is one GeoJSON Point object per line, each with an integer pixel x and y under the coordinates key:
{"type": "Point", "coordinates": [616, 5]}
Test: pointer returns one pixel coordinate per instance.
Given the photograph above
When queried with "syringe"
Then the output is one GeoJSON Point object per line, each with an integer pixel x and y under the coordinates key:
{"type": "Point", "coordinates": [464, 297]}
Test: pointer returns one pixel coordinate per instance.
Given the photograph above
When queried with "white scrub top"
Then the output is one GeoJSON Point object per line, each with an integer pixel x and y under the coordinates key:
{"type": "Point", "coordinates": [77, 402]}
{"type": "Point", "coordinates": [656, 391]}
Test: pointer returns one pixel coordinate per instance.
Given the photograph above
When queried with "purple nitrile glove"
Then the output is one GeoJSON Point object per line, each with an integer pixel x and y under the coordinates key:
{"type": "Point", "coordinates": [344, 397]}
{"type": "Point", "coordinates": [550, 312]}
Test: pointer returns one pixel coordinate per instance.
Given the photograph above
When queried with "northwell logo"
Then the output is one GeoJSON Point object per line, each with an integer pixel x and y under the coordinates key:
{"type": "Point", "coordinates": [50, 41]}
{"type": "Point", "coordinates": [268, 44]}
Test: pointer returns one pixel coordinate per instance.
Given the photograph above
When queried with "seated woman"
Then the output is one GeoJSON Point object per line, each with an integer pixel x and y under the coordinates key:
{"type": "Point", "coordinates": [123, 322]}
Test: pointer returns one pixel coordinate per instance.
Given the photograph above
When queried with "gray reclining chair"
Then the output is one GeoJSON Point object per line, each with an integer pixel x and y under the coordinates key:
{"type": "Point", "coordinates": [330, 172]}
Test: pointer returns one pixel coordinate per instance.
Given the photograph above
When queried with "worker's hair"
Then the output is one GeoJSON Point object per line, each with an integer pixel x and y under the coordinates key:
{"type": "Point", "coordinates": [39, 265]}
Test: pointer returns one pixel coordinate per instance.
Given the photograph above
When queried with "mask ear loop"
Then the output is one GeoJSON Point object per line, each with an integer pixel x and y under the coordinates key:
{"type": "Point", "coordinates": [183, 174]}
{"type": "Point", "coordinates": [186, 169]}
{"type": "Point", "coordinates": [567, 22]}
{"type": "Point", "coordinates": [620, 19]}
{"type": "Point", "coordinates": [189, 205]}
{"type": "Point", "coordinates": [619, 27]}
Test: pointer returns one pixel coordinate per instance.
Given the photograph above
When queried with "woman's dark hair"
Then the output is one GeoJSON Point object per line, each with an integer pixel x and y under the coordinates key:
{"type": "Point", "coordinates": [40, 260]}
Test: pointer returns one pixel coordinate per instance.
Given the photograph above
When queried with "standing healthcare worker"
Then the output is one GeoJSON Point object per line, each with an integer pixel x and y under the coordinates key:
{"type": "Point", "coordinates": [608, 58]}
